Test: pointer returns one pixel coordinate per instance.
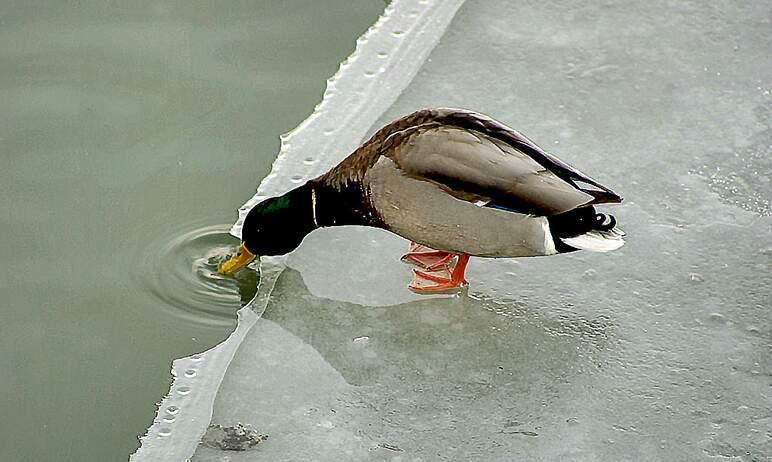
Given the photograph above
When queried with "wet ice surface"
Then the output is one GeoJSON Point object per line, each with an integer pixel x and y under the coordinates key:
{"type": "Point", "coordinates": [740, 175]}
{"type": "Point", "coordinates": [659, 351]}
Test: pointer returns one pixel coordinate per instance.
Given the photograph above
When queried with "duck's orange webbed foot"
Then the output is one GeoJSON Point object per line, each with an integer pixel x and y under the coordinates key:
{"type": "Point", "coordinates": [426, 257]}
{"type": "Point", "coordinates": [448, 278]}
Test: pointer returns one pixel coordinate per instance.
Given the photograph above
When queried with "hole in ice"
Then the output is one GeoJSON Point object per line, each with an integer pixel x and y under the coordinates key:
{"type": "Point", "coordinates": [164, 432]}
{"type": "Point", "coordinates": [309, 161]}
{"type": "Point", "coordinates": [383, 54]}
{"type": "Point", "coordinates": [181, 272]}
{"type": "Point", "coordinates": [183, 391]}
{"type": "Point", "coordinates": [369, 73]}
{"type": "Point", "coordinates": [398, 33]}
{"type": "Point", "coordinates": [296, 178]}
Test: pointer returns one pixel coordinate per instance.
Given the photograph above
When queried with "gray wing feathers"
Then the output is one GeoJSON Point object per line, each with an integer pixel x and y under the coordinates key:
{"type": "Point", "coordinates": [472, 164]}
{"type": "Point", "coordinates": [479, 122]}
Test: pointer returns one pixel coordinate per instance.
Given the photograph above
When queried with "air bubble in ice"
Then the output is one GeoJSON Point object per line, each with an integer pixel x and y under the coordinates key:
{"type": "Point", "coordinates": [717, 317]}
{"type": "Point", "coordinates": [363, 340]}
{"type": "Point", "coordinates": [695, 277]}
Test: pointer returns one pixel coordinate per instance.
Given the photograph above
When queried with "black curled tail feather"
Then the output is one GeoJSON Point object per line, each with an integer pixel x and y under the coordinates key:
{"type": "Point", "coordinates": [580, 223]}
{"type": "Point", "coordinates": [604, 222]}
{"type": "Point", "coordinates": [572, 223]}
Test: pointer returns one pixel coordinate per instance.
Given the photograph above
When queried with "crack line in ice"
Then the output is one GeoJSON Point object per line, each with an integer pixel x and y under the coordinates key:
{"type": "Point", "coordinates": [387, 57]}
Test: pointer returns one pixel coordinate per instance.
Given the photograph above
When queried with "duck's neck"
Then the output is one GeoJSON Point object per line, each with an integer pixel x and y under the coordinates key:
{"type": "Point", "coordinates": [339, 206]}
{"type": "Point", "coordinates": [278, 225]}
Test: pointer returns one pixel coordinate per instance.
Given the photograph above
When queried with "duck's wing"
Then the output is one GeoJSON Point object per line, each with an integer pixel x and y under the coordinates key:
{"type": "Point", "coordinates": [471, 120]}
{"type": "Point", "coordinates": [493, 165]}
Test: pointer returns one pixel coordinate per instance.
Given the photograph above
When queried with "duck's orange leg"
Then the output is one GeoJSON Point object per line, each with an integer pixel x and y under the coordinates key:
{"type": "Point", "coordinates": [445, 279]}
{"type": "Point", "coordinates": [426, 257]}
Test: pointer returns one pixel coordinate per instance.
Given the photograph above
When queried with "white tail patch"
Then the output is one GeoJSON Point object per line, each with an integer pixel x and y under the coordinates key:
{"type": "Point", "coordinates": [597, 241]}
{"type": "Point", "coordinates": [549, 243]}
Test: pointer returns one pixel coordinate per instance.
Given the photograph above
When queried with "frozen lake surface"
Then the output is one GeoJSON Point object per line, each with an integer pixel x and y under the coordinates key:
{"type": "Point", "coordinates": [659, 351]}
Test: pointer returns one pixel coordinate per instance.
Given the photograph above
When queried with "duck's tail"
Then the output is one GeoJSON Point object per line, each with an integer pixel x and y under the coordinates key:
{"type": "Point", "coordinates": [585, 229]}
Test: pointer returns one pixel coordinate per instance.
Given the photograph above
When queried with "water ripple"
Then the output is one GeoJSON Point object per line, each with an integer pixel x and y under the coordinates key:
{"type": "Point", "coordinates": [182, 273]}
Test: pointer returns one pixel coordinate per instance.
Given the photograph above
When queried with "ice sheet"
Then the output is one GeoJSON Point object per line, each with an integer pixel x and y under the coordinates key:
{"type": "Point", "coordinates": [658, 351]}
{"type": "Point", "coordinates": [385, 60]}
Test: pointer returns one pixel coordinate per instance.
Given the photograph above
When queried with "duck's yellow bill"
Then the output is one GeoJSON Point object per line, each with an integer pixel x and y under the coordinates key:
{"type": "Point", "coordinates": [242, 258]}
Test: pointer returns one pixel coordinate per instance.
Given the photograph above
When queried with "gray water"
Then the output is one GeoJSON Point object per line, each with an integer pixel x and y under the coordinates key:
{"type": "Point", "coordinates": [128, 137]}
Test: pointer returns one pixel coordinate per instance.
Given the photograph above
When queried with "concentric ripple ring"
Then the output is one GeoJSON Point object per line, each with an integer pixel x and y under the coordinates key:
{"type": "Point", "coordinates": [182, 273]}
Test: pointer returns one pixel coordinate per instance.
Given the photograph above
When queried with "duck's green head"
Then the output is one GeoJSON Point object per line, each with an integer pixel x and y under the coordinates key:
{"type": "Point", "coordinates": [275, 226]}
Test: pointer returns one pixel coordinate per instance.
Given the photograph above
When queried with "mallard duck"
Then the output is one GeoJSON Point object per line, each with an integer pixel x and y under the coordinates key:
{"type": "Point", "coordinates": [456, 183]}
